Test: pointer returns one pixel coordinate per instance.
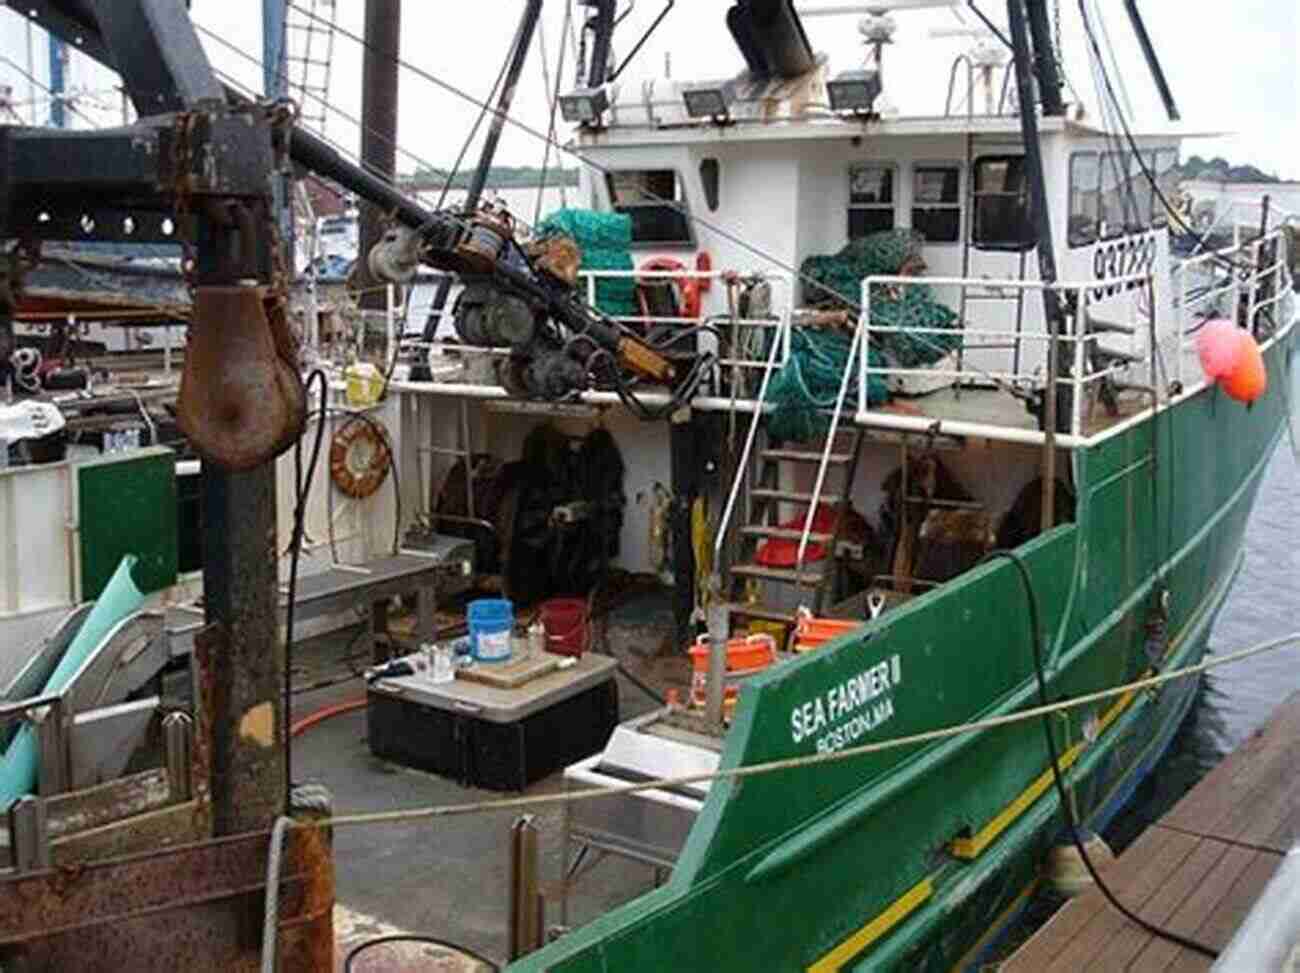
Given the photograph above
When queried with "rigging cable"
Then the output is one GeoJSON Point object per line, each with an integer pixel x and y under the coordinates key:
{"type": "Point", "coordinates": [555, 103]}
{"type": "Point", "coordinates": [1067, 811]}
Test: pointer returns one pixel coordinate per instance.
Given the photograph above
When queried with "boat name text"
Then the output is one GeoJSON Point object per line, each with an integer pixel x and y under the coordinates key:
{"type": "Point", "coordinates": [848, 710]}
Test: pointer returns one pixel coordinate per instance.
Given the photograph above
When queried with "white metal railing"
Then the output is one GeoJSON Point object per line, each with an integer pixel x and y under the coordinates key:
{"type": "Point", "coordinates": [1213, 283]}
{"type": "Point", "coordinates": [742, 466]}
{"type": "Point", "coordinates": [740, 329]}
{"type": "Point", "coordinates": [1076, 299]}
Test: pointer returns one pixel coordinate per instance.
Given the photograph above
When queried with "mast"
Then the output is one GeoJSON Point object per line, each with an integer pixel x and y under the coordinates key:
{"type": "Point", "coordinates": [1022, 17]}
{"type": "Point", "coordinates": [383, 30]}
{"type": "Point", "coordinates": [275, 78]}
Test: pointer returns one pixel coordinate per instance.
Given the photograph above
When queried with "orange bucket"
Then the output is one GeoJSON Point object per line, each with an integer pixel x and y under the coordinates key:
{"type": "Point", "coordinates": [811, 632]}
{"type": "Point", "coordinates": [745, 655]}
{"type": "Point", "coordinates": [748, 653]}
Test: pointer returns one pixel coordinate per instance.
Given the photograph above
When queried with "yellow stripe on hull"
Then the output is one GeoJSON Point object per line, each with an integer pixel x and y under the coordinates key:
{"type": "Point", "coordinates": [970, 847]}
{"type": "Point", "coordinates": [902, 907]}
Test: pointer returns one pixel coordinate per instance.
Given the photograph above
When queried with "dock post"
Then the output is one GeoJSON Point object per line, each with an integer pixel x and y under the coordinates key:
{"type": "Point", "coordinates": [526, 903]}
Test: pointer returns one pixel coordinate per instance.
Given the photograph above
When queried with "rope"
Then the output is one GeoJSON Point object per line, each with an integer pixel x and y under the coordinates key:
{"type": "Point", "coordinates": [807, 760]}
{"type": "Point", "coordinates": [271, 906]}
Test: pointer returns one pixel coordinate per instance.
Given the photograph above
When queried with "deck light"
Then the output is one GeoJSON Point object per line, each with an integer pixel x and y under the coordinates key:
{"type": "Point", "coordinates": [709, 101]}
{"type": "Point", "coordinates": [854, 91]}
{"type": "Point", "coordinates": [584, 105]}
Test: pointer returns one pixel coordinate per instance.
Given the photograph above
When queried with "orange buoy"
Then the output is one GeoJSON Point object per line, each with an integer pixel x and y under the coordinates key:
{"type": "Point", "coordinates": [1218, 348]}
{"type": "Point", "coordinates": [1248, 378]}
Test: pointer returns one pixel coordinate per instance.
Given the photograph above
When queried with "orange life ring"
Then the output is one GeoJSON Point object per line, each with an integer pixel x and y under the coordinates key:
{"type": "Point", "coordinates": [359, 458]}
{"type": "Point", "coordinates": [688, 286]}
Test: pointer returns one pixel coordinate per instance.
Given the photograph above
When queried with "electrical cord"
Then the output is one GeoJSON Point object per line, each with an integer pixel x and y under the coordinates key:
{"type": "Point", "coordinates": [412, 938]}
{"type": "Point", "coordinates": [302, 488]}
{"type": "Point", "coordinates": [1057, 778]}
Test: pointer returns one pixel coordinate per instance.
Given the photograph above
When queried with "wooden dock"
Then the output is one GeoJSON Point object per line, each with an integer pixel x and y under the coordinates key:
{"type": "Point", "coordinates": [1196, 872]}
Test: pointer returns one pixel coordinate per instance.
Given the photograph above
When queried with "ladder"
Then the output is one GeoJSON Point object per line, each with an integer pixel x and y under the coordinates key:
{"type": "Point", "coordinates": [807, 582]}
{"type": "Point", "coordinates": [309, 58]}
{"type": "Point", "coordinates": [765, 493]}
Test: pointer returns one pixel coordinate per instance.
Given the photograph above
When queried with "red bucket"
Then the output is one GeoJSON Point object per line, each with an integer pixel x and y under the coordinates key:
{"type": "Point", "coordinates": [565, 621]}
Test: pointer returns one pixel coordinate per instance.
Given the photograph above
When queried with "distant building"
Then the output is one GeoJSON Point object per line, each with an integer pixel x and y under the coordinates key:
{"type": "Point", "coordinates": [1216, 205]}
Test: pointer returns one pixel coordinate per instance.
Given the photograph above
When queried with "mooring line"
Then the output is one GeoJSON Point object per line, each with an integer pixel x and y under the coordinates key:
{"type": "Point", "coordinates": [805, 760]}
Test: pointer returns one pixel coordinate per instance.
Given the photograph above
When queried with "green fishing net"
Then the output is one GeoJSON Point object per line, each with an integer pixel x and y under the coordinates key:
{"type": "Point", "coordinates": [806, 385]}
{"type": "Point", "coordinates": [605, 240]}
{"type": "Point", "coordinates": [836, 281]}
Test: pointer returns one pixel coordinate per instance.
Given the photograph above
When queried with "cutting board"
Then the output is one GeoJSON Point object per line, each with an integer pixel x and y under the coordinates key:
{"type": "Point", "coordinates": [510, 675]}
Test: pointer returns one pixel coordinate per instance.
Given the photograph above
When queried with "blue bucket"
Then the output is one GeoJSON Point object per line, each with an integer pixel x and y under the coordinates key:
{"type": "Point", "coordinates": [490, 622]}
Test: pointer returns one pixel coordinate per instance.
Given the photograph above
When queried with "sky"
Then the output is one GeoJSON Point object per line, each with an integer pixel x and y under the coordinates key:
{"type": "Point", "coordinates": [1234, 67]}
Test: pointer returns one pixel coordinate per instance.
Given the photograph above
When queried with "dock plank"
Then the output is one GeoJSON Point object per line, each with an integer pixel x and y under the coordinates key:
{"type": "Point", "coordinates": [1162, 851]}
{"type": "Point", "coordinates": [1198, 871]}
{"type": "Point", "coordinates": [1158, 954]}
{"type": "Point", "coordinates": [1255, 770]}
{"type": "Point", "coordinates": [1066, 924]}
{"type": "Point", "coordinates": [1223, 922]}
{"type": "Point", "coordinates": [1123, 940]}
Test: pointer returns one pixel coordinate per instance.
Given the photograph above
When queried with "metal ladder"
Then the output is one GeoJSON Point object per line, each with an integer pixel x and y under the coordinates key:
{"type": "Point", "coordinates": [309, 59]}
{"type": "Point", "coordinates": [763, 494]}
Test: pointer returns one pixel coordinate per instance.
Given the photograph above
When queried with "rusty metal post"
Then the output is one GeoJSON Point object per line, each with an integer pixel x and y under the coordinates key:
{"type": "Point", "coordinates": [306, 940]}
{"type": "Point", "coordinates": [526, 904]}
{"type": "Point", "coordinates": [240, 593]}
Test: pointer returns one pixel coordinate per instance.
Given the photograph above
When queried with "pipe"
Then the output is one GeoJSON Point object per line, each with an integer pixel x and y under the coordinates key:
{"type": "Point", "coordinates": [328, 712]}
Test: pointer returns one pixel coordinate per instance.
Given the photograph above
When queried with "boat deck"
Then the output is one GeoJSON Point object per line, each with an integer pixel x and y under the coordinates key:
{"type": "Point", "coordinates": [1196, 872]}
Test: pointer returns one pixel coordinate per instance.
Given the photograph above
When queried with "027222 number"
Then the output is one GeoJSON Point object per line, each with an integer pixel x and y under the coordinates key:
{"type": "Point", "coordinates": [1126, 257]}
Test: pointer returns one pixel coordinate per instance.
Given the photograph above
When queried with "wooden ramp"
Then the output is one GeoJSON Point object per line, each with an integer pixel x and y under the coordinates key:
{"type": "Point", "coordinates": [1196, 872]}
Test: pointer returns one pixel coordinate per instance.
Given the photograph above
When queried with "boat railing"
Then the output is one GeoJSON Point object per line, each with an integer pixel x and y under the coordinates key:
{"type": "Point", "coordinates": [777, 352]}
{"type": "Point", "coordinates": [1252, 276]}
{"type": "Point", "coordinates": [1004, 104]}
{"type": "Point", "coordinates": [1080, 347]}
{"type": "Point", "coordinates": [741, 344]}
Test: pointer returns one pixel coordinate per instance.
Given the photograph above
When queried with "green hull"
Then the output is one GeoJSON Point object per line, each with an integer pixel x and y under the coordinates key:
{"type": "Point", "coordinates": [904, 859]}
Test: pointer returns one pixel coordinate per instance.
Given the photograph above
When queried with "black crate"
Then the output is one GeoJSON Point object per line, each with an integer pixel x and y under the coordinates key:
{"type": "Point", "coordinates": [487, 754]}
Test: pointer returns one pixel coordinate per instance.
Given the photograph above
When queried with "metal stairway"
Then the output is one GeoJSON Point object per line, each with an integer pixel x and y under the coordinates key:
{"type": "Point", "coordinates": [809, 582]}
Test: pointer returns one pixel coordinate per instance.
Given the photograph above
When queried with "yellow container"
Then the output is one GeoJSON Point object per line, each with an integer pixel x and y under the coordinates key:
{"type": "Point", "coordinates": [365, 384]}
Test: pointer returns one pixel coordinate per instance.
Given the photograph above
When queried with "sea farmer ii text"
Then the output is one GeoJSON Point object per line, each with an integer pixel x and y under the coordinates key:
{"type": "Point", "coordinates": [844, 700]}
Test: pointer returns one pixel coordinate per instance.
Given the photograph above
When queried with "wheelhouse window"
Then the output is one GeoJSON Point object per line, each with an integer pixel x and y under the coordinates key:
{"type": "Point", "coordinates": [654, 199]}
{"type": "Point", "coordinates": [1084, 181]}
{"type": "Point", "coordinates": [936, 203]}
{"type": "Point", "coordinates": [871, 199]}
{"type": "Point", "coordinates": [1001, 204]}
{"type": "Point", "coordinates": [1120, 195]}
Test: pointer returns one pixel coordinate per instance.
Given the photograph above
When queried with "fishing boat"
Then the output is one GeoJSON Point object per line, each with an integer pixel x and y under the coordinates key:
{"type": "Point", "coordinates": [1072, 424]}
{"type": "Point", "coordinates": [925, 379]}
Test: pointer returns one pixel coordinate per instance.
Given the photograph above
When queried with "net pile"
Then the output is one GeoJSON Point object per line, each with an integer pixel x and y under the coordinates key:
{"type": "Point", "coordinates": [605, 240]}
{"type": "Point", "coordinates": [836, 281]}
{"type": "Point", "coordinates": [806, 385]}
